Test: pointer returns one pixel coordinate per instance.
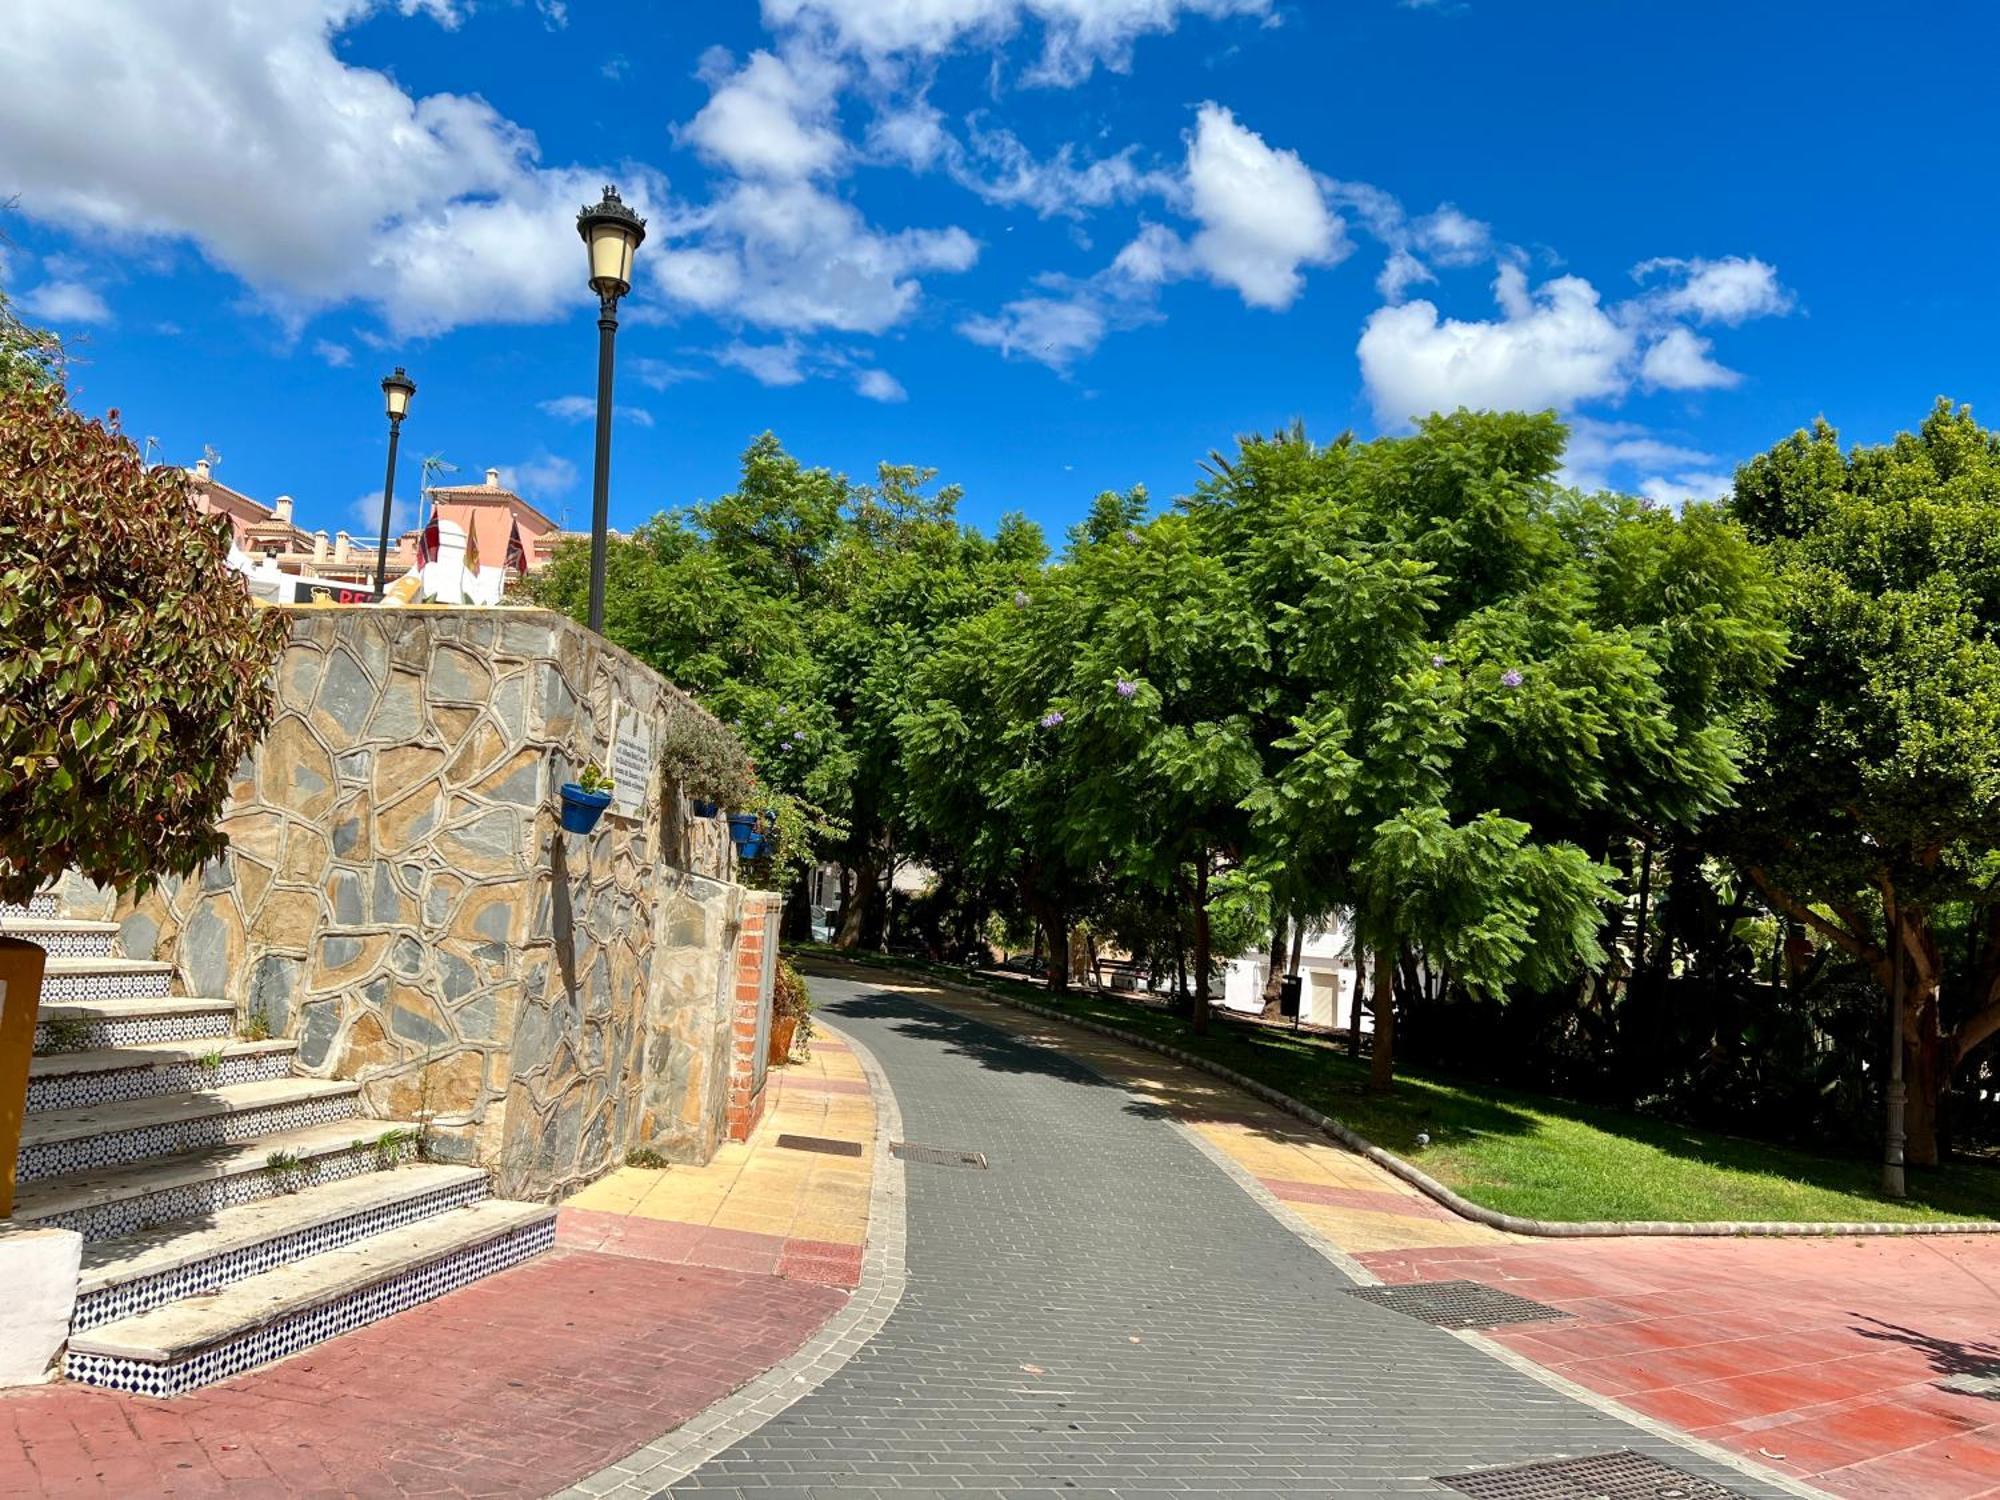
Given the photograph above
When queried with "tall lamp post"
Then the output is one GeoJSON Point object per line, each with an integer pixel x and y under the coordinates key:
{"type": "Point", "coordinates": [396, 392]}
{"type": "Point", "coordinates": [612, 232]}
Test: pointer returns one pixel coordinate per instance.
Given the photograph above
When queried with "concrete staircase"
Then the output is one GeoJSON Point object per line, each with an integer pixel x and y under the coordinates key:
{"type": "Point", "coordinates": [233, 1212]}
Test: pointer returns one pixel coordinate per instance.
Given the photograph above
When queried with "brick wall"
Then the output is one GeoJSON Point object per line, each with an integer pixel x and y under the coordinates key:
{"type": "Point", "coordinates": [756, 969]}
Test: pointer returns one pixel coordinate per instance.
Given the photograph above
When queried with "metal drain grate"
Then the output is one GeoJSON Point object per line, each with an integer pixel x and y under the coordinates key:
{"type": "Point", "coordinates": [1624, 1475]}
{"type": "Point", "coordinates": [938, 1156]}
{"type": "Point", "coordinates": [1456, 1304]}
{"type": "Point", "coordinates": [823, 1144]}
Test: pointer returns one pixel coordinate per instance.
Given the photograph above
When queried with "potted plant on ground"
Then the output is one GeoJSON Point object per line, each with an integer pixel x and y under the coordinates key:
{"type": "Point", "coordinates": [584, 799]}
{"type": "Point", "coordinates": [139, 676]}
{"type": "Point", "coordinates": [791, 1014]}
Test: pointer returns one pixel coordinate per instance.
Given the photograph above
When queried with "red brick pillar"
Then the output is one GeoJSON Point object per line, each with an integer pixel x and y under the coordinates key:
{"type": "Point", "coordinates": [750, 1038]}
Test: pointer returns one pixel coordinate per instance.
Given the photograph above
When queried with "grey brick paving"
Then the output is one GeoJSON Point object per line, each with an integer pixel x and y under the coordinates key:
{"type": "Point", "coordinates": [1105, 1312]}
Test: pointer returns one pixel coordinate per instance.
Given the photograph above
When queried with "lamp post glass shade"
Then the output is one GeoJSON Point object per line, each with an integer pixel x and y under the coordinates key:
{"type": "Point", "coordinates": [396, 392]}
{"type": "Point", "coordinates": [612, 232]}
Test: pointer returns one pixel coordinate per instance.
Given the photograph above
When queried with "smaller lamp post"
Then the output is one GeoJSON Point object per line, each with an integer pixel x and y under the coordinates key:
{"type": "Point", "coordinates": [612, 232]}
{"type": "Point", "coordinates": [397, 389]}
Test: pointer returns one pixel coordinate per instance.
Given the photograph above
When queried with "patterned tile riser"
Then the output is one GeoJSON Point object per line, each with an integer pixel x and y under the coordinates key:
{"type": "Point", "coordinates": [113, 1303]}
{"type": "Point", "coordinates": [82, 1090]}
{"type": "Point", "coordinates": [64, 944]}
{"type": "Point", "coordinates": [107, 1221]}
{"type": "Point", "coordinates": [116, 1148]}
{"type": "Point", "coordinates": [288, 1336]}
{"type": "Point", "coordinates": [144, 984]}
{"type": "Point", "coordinates": [41, 904]}
{"type": "Point", "coordinates": [137, 1031]}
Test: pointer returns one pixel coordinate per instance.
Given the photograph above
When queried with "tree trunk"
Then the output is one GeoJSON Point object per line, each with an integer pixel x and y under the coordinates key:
{"type": "Point", "coordinates": [1354, 1001]}
{"type": "Point", "coordinates": [1276, 974]}
{"type": "Point", "coordinates": [1201, 945]}
{"type": "Point", "coordinates": [795, 924]}
{"type": "Point", "coordinates": [1924, 1077]}
{"type": "Point", "coordinates": [860, 889]}
{"type": "Point", "coordinates": [1645, 907]}
{"type": "Point", "coordinates": [1382, 1066]}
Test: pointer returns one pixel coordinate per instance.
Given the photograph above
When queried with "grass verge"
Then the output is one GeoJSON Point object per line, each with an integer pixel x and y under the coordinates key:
{"type": "Point", "coordinates": [1531, 1154]}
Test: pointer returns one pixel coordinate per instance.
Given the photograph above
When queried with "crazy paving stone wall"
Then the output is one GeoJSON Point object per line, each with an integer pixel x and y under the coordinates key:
{"type": "Point", "coordinates": [398, 896]}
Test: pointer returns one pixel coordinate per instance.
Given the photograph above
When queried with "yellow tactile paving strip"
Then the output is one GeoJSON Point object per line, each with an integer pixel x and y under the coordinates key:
{"type": "Point", "coordinates": [1345, 1197]}
{"type": "Point", "coordinates": [756, 1187]}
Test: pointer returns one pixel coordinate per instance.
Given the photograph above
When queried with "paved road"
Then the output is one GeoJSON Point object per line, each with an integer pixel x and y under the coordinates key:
{"type": "Point", "coordinates": [1105, 1312]}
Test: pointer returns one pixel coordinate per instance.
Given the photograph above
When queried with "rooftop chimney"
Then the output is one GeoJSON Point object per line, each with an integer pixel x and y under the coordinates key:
{"type": "Point", "coordinates": [493, 479]}
{"type": "Point", "coordinates": [282, 508]}
{"type": "Point", "coordinates": [201, 468]}
{"type": "Point", "coordinates": [319, 546]}
{"type": "Point", "coordinates": [342, 547]}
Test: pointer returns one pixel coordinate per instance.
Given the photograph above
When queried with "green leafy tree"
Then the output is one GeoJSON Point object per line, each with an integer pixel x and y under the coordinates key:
{"type": "Point", "coordinates": [134, 668]}
{"type": "Point", "coordinates": [30, 357]}
{"type": "Point", "coordinates": [1872, 809]}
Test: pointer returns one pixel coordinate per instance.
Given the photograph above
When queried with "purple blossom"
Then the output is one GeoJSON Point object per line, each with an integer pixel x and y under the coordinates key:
{"type": "Point", "coordinates": [1051, 719]}
{"type": "Point", "coordinates": [1437, 661]}
{"type": "Point", "coordinates": [1131, 535]}
{"type": "Point", "coordinates": [1020, 599]}
{"type": "Point", "coordinates": [799, 735]}
{"type": "Point", "coordinates": [1127, 687]}
{"type": "Point", "coordinates": [1510, 678]}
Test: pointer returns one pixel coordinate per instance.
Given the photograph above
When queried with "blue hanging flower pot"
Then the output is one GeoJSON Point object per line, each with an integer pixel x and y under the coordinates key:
{"type": "Point", "coordinates": [747, 830]}
{"type": "Point", "coordinates": [706, 809]}
{"type": "Point", "coordinates": [581, 809]}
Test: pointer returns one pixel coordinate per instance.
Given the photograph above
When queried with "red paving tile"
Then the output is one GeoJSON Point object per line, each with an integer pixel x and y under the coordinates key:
{"type": "Point", "coordinates": [1825, 1351]}
{"type": "Point", "coordinates": [513, 1387]}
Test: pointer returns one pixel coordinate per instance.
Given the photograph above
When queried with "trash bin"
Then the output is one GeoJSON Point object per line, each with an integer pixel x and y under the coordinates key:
{"type": "Point", "coordinates": [1288, 996]}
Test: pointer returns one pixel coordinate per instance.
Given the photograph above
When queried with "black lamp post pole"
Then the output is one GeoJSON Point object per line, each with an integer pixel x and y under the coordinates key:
{"type": "Point", "coordinates": [388, 495]}
{"type": "Point", "coordinates": [600, 500]}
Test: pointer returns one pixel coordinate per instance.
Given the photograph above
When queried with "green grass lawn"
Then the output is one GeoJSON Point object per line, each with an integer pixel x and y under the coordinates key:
{"type": "Point", "coordinates": [1542, 1157]}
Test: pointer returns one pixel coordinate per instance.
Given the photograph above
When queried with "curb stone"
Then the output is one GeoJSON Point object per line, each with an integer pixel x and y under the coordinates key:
{"type": "Point", "coordinates": [1430, 1187]}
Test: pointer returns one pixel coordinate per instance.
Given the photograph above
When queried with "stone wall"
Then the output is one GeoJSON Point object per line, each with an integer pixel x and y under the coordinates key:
{"type": "Point", "coordinates": [399, 898]}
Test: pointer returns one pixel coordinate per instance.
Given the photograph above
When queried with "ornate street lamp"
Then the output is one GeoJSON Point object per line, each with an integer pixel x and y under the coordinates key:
{"type": "Point", "coordinates": [612, 232]}
{"type": "Point", "coordinates": [397, 389]}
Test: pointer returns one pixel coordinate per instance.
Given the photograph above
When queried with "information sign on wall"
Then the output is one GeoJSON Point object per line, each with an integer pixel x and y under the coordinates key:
{"type": "Point", "coordinates": [631, 763]}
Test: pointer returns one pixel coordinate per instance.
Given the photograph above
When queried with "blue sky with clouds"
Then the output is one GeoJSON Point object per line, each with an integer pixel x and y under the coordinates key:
{"type": "Point", "coordinates": [1046, 246]}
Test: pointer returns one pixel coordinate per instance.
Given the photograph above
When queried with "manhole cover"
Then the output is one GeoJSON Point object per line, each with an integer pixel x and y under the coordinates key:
{"type": "Point", "coordinates": [1456, 1304]}
{"type": "Point", "coordinates": [938, 1156]}
{"type": "Point", "coordinates": [820, 1143]}
{"type": "Point", "coordinates": [1624, 1475]}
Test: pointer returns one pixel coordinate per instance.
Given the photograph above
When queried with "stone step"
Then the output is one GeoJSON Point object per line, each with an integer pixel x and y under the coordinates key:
{"type": "Point", "coordinates": [71, 1026]}
{"type": "Point", "coordinates": [66, 980]}
{"type": "Point", "coordinates": [198, 1340]}
{"type": "Point", "coordinates": [41, 904]}
{"type": "Point", "coordinates": [60, 1141]}
{"type": "Point", "coordinates": [105, 1075]}
{"type": "Point", "coordinates": [108, 1202]}
{"type": "Point", "coordinates": [64, 937]}
{"type": "Point", "coordinates": [138, 1272]}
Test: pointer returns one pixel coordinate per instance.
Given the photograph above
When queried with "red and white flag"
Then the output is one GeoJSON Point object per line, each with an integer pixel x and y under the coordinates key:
{"type": "Point", "coordinates": [517, 554]}
{"type": "Point", "coordinates": [429, 543]}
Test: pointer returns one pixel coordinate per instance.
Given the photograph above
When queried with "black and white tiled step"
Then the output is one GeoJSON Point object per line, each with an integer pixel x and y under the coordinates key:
{"type": "Point", "coordinates": [64, 937]}
{"type": "Point", "coordinates": [70, 979]}
{"type": "Point", "coordinates": [60, 1141]}
{"type": "Point", "coordinates": [106, 1075]}
{"type": "Point", "coordinates": [67, 1027]}
{"type": "Point", "coordinates": [198, 1340]}
{"type": "Point", "coordinates": [41, 904]}
{"type": "Point", "coordinates": [107, 1203]}
{"type": "Point", "coordinates": [134, 1274]}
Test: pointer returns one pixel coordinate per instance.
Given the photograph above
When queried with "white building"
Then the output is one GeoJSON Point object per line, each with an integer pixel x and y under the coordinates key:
{"type": "Point", "coordinates": [1326, 967]}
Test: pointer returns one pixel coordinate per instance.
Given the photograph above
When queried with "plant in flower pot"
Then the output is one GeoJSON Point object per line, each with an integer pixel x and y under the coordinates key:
{"type": "Point", "coordinates": [791, 1015]}
{"type": "Point", "coordinates": [703, 759]}
{"type": "Point", "coordinates": [139, 676]}
{"type": "Point", "coordinates": [584, 799]}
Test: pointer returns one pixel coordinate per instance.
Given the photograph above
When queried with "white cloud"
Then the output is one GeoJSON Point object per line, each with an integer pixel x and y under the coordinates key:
{"type": "Point", "coordinates": [1077, 35]}
{"type": "Point", "coordinates": [773, 117]}
{"type": "Point", "coordinates": [367, 513]}
{"type": "Point", "coordinates": [1554, 346]}
{"type": "Point", "coordinates": [1261, 211]}
{"type": "Point", "coordinates": [1689, 486]}
{"type": "Point", "coordinates": [769, 364]}
{"type": "Point", "coordinates": [584, 409]}
{"type": "Point", "coordinates": [534, 479]}
{"type": "Point", "coordinates": [131, 116]}
{"type": "Point", "coordinates": [337, 355]}
{"type": "Point", "coordinates": [1399, 273]}
{"type": "Point", "coordinates": [1679, 362]}
{"type": "Point", "coordinates": [791, 256]}
{"type": "Point", "coordinates": [554, 13]}
{"type": "Point", "coordinates": [993, 164]}
{"type": "Point", "coordinates": [1057, 331]}
{"type": "Point", "coordinates": [62, 302]}
{"type": "Point", "coordinates": [659, 373]}
{"type": "Point", "coordinates": [1453, 239]}
{"type": "Point", "coordinates": [1731, 290]}
{"type": "Point", "coordinates": [880, 385]}
{"type": "Point", "coordinates": [1597, 449]}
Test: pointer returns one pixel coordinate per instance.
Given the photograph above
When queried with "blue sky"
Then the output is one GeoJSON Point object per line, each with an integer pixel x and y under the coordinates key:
{"type": "Point", "coordinates": [1046, 246]}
